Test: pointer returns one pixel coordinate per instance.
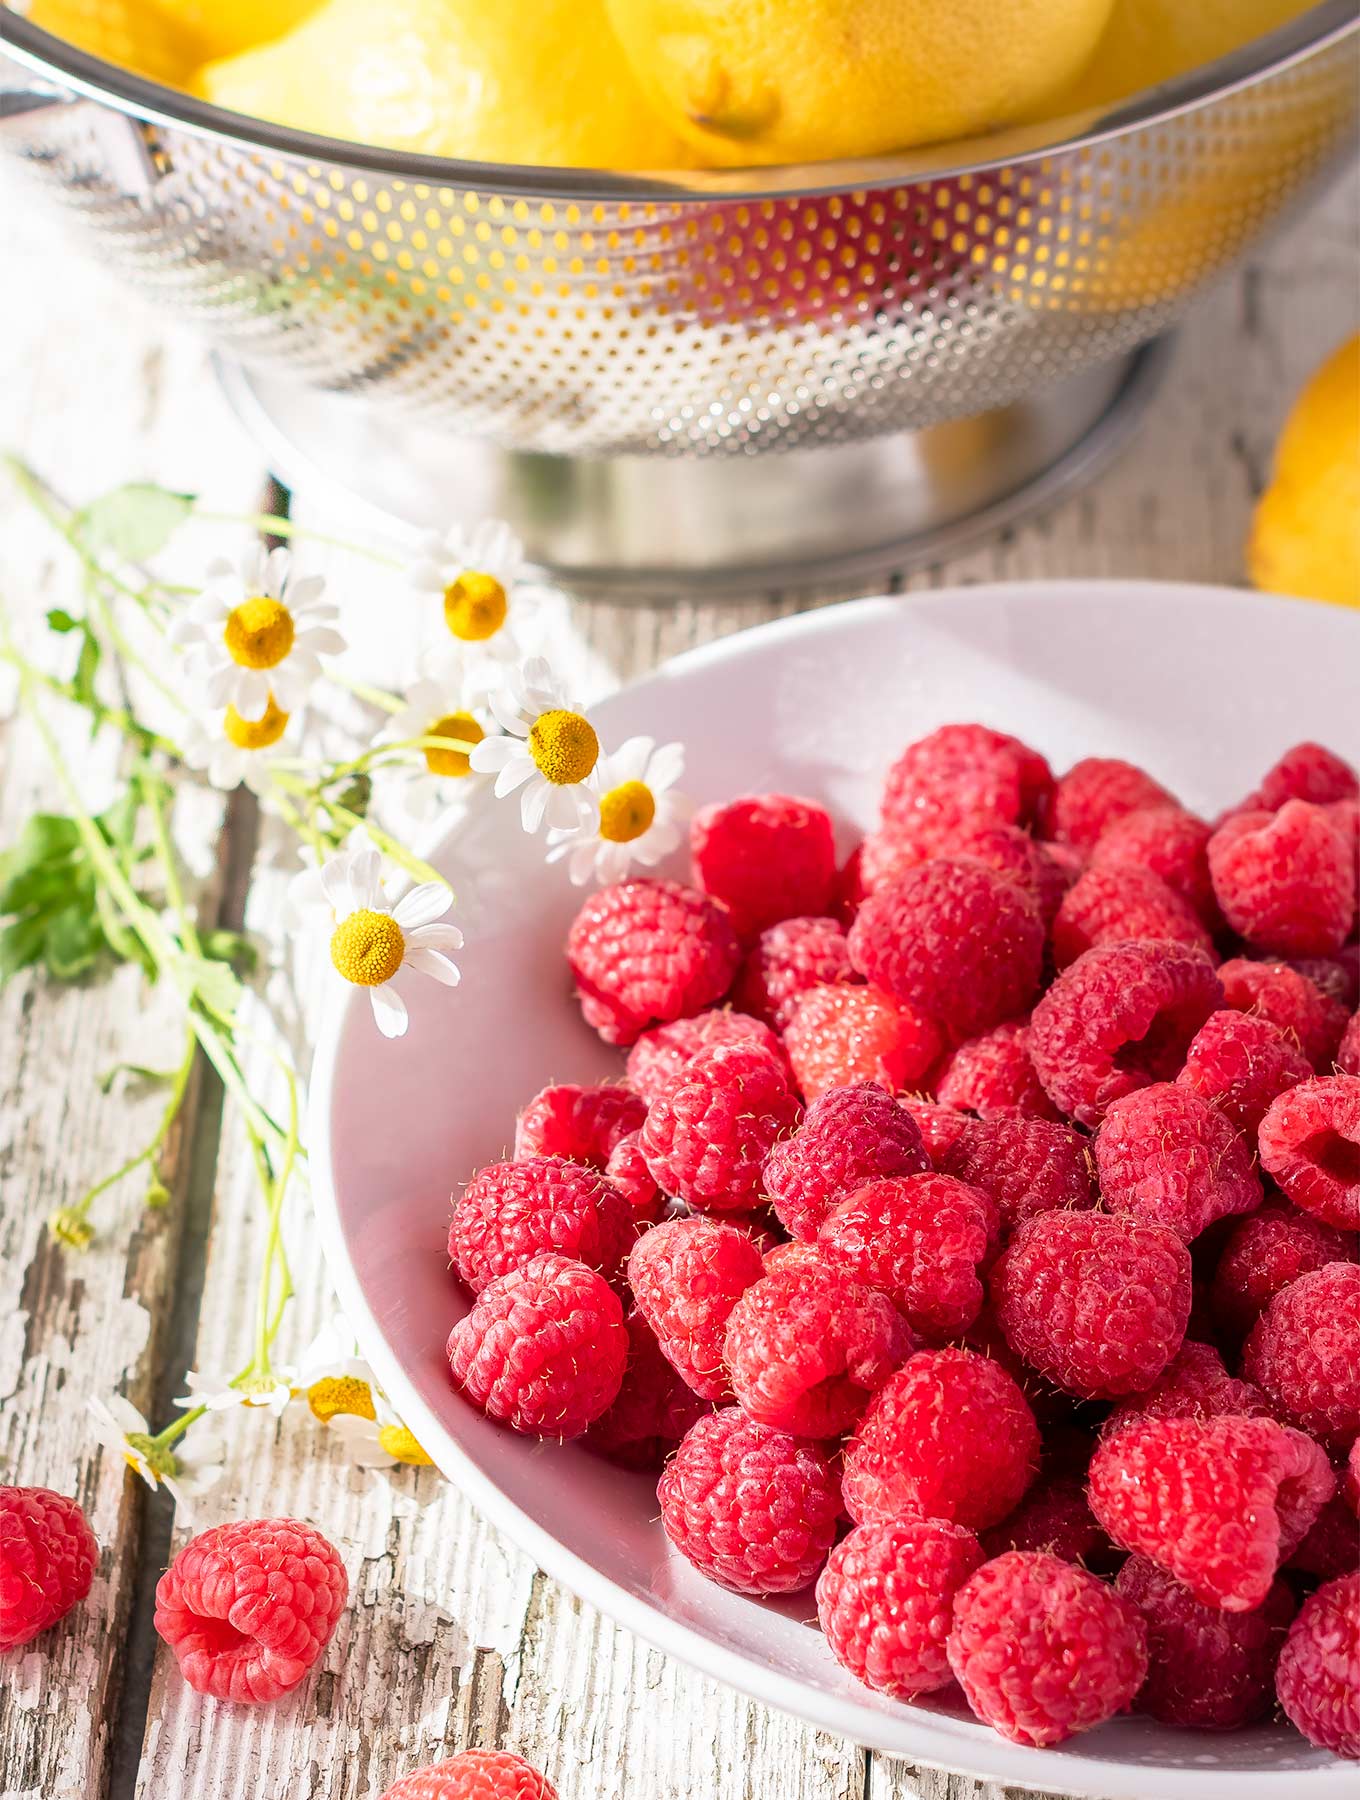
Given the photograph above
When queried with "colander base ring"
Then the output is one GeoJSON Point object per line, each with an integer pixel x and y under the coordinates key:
{"type": "Point", "coordinates": [654, 527]}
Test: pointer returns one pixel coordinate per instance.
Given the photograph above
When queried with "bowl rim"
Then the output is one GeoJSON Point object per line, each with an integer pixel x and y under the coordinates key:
{"type": "Point", "coordinates": [92, 78]}
{"type": "Point", "coordinates": [934, 1744]}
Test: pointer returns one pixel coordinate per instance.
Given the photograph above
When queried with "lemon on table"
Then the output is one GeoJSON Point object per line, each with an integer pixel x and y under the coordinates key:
{"type": "Point", "coordinates": [130, 33]}
{"type": "Point", "coordinates": [1305, 538]}
{"type": "Point", "coordinates": [222, 27]}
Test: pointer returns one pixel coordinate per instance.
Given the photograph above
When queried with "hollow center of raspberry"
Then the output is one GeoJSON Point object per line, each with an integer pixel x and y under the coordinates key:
{"type": "Point", "coordinates": [626, 812]}
{"type": "Point", "coordinates": [220, 1638]}
{"type": "Point", "coordinates": [367, 947]}
{"type": "Point", "coordinates": [1336, 1156]}
{"type": "Point", "coordinates": [564, 746]}
{"type": "Point", "coordinates": [463, 729]}
{"type": "Point", "coordinates": [1158, 1053]}
{"type": "Point", "coordinates": [258, 633]}
{"type": "Point", "coordinates": [475, 606]}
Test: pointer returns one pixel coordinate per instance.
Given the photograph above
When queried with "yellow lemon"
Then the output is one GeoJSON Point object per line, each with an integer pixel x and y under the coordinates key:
{"type": "Point", "coordinates": [129, 33]}
{"type": "Point", "coordinates": [1305, 538]}
{"type": "Point", "coordinates": [222, 27]}
{"type": "Point", "coordinates": [767, 81]}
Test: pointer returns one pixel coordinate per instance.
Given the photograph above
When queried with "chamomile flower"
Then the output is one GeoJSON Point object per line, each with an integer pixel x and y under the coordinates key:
{"type": "Point", "coordinates": [380, 1442]}
{"type": "Point", "coordinates": [273, 1393]}
{"type": "Point", "coordinates": [478, 573]}
{"type": "Point", "coordinates": [439, 706]}
{"type": "Point", "coordinates": [232, 750]}
{"type": "Point", "coordinates": [256, 635]}
{"type": "Point", "coordinates": [640, 817]}
{"type": "Point", "coordinates": [334, 1379]}
{"type": "Point", "coordinates": [550, 751]}
{"type": "Point", "coordinates": [185, 1470]}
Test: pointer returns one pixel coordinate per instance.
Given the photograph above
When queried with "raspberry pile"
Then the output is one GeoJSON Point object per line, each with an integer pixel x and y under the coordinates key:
{"type": "Point", "coordinates": [970, 1231]}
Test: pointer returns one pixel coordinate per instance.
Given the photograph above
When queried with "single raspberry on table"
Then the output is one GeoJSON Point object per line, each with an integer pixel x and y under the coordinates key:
{"type": "Point", "coordinates": [840, 1035]}
{"type": "Point", "coordinates": [654, 1408]}
{"type": "Point", "coordinates": [1097, 1304]}
{"type": "Point", "coordinates": [1316, 1680]}
{"type": "Point", "coordinates": [886, 1598]}
{"type": "Point", "coordinates": [474, 1775]}
{"type": "Point", "coordinates": [1298, 1009]}
{"type": "Point", "coordinates": [686, 1277]}
{"type": "Point", "coordinates": [645, 952]}
{"type": "Point", "coordinates": [1043, 1649]}
{"type": "Point", "coordinates": [248, 1607]}
{"type": "Point", "coordinates": [954, 939]}
{"type": "Point", "coordinates": [940, 1128]}
{"type": "Point", "coordinates": [1241, 1063]}
{"type": "Point", "coordinates": [1218, 1503]}
{"type": "Point", "coordinates": [1170, 844]}
{"type": "Point", "coordinates": [707, 1135]}
{"type": "Point", "coordinates": [1310, 1143]}
{"type": "Point", "coordinates": [1208, 1669]}
{"type": "Point", "coordinates": [627, 1173]}
{"type": "Point", "coordinates": [1304, 1353]}
{"type": "Point", "coordinates": [785, 961]}
{"type": "Point", "coordinates": [767, 857]}
{"type": "Point", "coordinates": [1306, 771]}
{"type": "Point", "coordinates": [48, 1556]}
{"type": "Point", "coordinates": [1166, 1156]}
{"type": "Point", "coordinates": [1263, 1254]}
{"type": "Point", "coordinates": [962, 777]}
{"type": "Point", "coordinates": [1285, 880]}
{"type": "Point", "coordinates": [949, 1436]}
{"type": "Point", "coordinates": [1055, 1517]}
{"type": "Point", "coordinates": [1348, 1050]}
{"type": "Point", "coordinates": [1108, 906]}
{"type": "Point", "coordinates": [1194, 1385]}
{"type": "Point", "coordinates": [543, 1349]}
{"type": "Point", "coordinates": [580, 1123]}
{"type": "Point", "coordinates": [849, 1136]}
{"type": "Point", "coordinates": [1095, 794]}
{"type": "Point", "coordinates": [1027, 1166]}
{"type": "Point", "coordinates": [1120, 1017]}
{"type": "Point", "coordinates": [752, 1508]}
{"type": "Point", "coordinates": [511, 1212]}
{"type": "Point", "coordinates": [660, 1054]}
{"type": "Point", "coordinates": [994, 1077]}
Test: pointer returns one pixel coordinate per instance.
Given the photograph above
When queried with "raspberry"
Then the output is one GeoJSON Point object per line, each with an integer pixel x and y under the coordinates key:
{"type": "Point", "coordinates": [1262, 1255]}
{"type": "Point", "coordinates": [1350, 1478]}
{"type": "Point", "coordinates": [1316, 1681]}
{"type": "Point", "coordinates": [1043, 1649]}
{"type": "Point", "coordinates": [543, 1349]}
{"type": "Point", "coordinates": [1304, 1353]}
{"type": "Point", "coordinates": [1285, 880]}
{"type": "Point", "coordinates": [949, 1436]}
{"type": "Point", "coordinates": [1170, 844]}
{"type": "Point", "coordinates": [1241, 1063]}
{"type": "Point", "coordinates": [654, 1409]}
{"type": "Point", "coordinates": [580, 1123]}
{"type": "Point", "coordinates": [1332, 1546]}
{"type": "Point", "coordinates": [248, 1607]}
{"type": "Point", "coordinates": [1054, 1516]}
{"type": "Point", "coordinates": [686, 1277]}
{"type": "Point", "coordinates": [964, 776]}
{"type": "Point", "coordinates": [785, 961]}
{"type": "Point", "coordinates": [706, 1136]}
{"type": "Point", "coordinates": [839, 1035]}
{"type": "Point", "coordinates": [1095, 794]}
{"type": "Point", "coordinates": [661, 1053]}
{"type": "Point", "coordinates": [760, 1225]}
{"type": "Point", "coordinates": [767, 857]}
{"type": "Point", "coordinates": [993, 1076]}
{"type": "Point", "coordinates": [849, 1136]}
{"type": "Point", "coordinates": [1218, 1503]}
{"type": "Point", "coordinates": [1098, 1305]}
{"type": "Point", "coordinates": [1023, 859]}
{"type": "Point", "coordinates": [1294, 1006]}
{"type": "Point", "coordinates": [1120, 1017]}
{"type": "Point", "coordinates": [645, 952]}
{"type": "Point", "coordinates": [474, 1775]}
{"type": "Point", "coordinates": [1106, 906]}
{"type": "Point", "coordinates": [1338, 977]}
{"type": "Point", "coordinates": [1310, 1143]}
{"type": "Point", "coordinates": [805, 1348]}
{"type": "Point", "coordinates": [1166, 1156]}
{"type": "Point", "coordinates": [885, 1600]}
{"type": "Point", "coordinates": [956, 940]}
{"type": "Point", "coordinates": [1305, 772]}
{"type": "Point", "coordinates": [751, 1507]}
{"type": "Point", "coordinates": [1027, 1166]}
{"type": "Point", "coordinates": [1207, 1668]}
{"type": "Point", "coordinates": [48, 1556]}
{"type": "Point", "coordinates": [1348, 1050]}
{"type": "Point", "coordinates": [920, 1239]}
{"type": "Point", "coordinates": [511, 1212]}
{"type": "Point", "coordinates": [1194, 1385]}
{"type": "Point", "coordinates": [940, 1128]}
{"type": "Point", "coordinates": [627, 1173]}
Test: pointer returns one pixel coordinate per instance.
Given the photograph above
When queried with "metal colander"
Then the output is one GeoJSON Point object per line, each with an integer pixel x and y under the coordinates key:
{"type": "Point", "coordinates": [597, 314]}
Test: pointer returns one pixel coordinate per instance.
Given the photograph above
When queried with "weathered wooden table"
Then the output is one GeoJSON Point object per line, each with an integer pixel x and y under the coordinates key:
{"type": "Point", "coordinates": [453, 1637]}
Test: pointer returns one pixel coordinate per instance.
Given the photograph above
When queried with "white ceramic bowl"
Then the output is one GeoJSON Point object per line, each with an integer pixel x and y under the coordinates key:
{"type": "Point", "coordinates": [1203, 687]}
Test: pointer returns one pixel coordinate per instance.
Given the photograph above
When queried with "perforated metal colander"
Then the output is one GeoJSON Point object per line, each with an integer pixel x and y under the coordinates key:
{"type": "Point", "coordinates": [584, 313]}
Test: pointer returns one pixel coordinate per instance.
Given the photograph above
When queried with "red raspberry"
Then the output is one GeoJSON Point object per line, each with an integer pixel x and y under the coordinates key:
{"type": "Point", "coordinates": [849, 1136]}
{"type": "Point", "coordinates": [1304, 1353]}
{"type": "Point", "coordinates": [1350, 1478]}
{"type": "Point", "coordinates": [543, 1349]}
{"type": "Point", "coordinates": [1028, 1166]}
{"type": "Point", "coordinates": [627, 1173]}
{"type": "Point", "coordinates": [1332, 1546]}
{"type": "Point", "coordinates": [654, 1409]}
{"type": "Point", "coordinates": [805, 1348]}
{"type": "Point", "coordinates": [48, 1556]}
{"type": "Point", "coordinates": [1310, 1143]}
{"type": "Point", "coordinates": [956, 940]}
{"type": "Point", "coordinates": [581, 1123]}
{"type": "Point", "coordinates": [1218, 1503]}
{"type": "Point", "coordinates": [1209, 1669]}
{"type": "Point", "coordinates": [644, 952]}
{"type": "Point", "coordinates": [760, 1225]}
{"type": "Point", "coordinates": [785, 961]}
{"type": "Point", "coordinates": [511, 1212]}
{"type": "Point", "coordinates": [686, 1277]}
{"type": "Point", "coordinates": [1095, 794]}
{"type": "Point", "coordinates": [1054, 1517]}
{"type": "Point", "coordinates": [949, 1436]}
{"type": "Point", "coordinates": [1285, 880]}
{"type": "Point", "coordinates": [474, 1775]}
{"type": "Point", "coordinates": [1299, 1011]}
{"type": "Point", "coordinates": [1043, 1649]}
{"type": "Point", "coordinates": [1098, 1305]}
{"type": "Point", "coordinates": [1166, 1156]}
{"type": "Point", "coordinates": [1348, 1050]}
{"type": "Point", "coordinates": [1241, 1063]}
{"type": "Point", "coordinates": [993, 1076]}
{"type": "Point", "coordinates": [1109, 905]}
{"type": "Point", "coordinates": [707, 1135]}
{"type": "Point", "coordinates": [1338, 977]}
{"type": "Point", "coordinates": [1194, 1385]}
{"type": "Point", "coordinates": [1122, 1016]}
{"type": "Point", "coordinates": [751, 1507]}
{"type": "Point", "coordinates": [1307, 771]}
{"type": "Point", "coordinates": [1024, 859]}
{"type": "Point", "coordinates": [940, 1128]}
{"type": "Point", "coordinates": [767, 857]}
{"type": "Point", "coordinates": [920, 1239]}
{"type": "Point", "coordinates": [837, 1036]}
{"type": "Point", "coordinates": [1168, 843]}
{"type": "Point", "coordinates": [849, 887]}
{"type": "Point", "coordinates": [248, 1607]}
{"type": "Point", "coordinates": [964, 776]}
{"type": "Point", "coordinates": [1262, 1255]}
{"type": "Point", "coordinates": [661, 1053]}
{"type": "Point", "coordinates": [1316, 1682]}
{"type": "Point", "coordinates": [885, 856]}
{"type": "Point", "coordinates": [886, 1599]}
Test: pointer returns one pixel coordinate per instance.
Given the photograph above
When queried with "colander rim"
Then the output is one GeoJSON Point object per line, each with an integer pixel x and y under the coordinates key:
{"type": "Point", "coordinates": [91, 78]}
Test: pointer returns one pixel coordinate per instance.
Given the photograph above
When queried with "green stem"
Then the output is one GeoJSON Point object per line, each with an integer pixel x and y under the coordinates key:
{"type": "Point", "coordinates": [267, 1315]}
{"type": "Point", "coordinates": [63, 523]}
{"type": "Point", "coordinates": [177, 1427]}
{"type": "Point", "coordinates": [414, 866]}
{"type": "Point", "coordinates": [274, 525]}
{"type": "Point", "coordinates": [116, 716]}
{"type": "Point", "coordinates": [168, 1116]}
{"type": "Point", "coordinates": [131, 656]}
{"type": "Point", "coordinates": [151, 793]}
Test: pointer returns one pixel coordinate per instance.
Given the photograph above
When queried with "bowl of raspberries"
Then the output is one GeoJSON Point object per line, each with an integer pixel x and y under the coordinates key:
{"type": "Point", "coordinates": [901, 1254]}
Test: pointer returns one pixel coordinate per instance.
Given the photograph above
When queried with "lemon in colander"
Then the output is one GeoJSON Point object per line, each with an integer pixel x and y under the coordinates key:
{"type": "Point", "coordinates": [130, 33]}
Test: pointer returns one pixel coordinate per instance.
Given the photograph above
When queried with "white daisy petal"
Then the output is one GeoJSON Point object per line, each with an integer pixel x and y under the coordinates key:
{"type": "Point", "coordinates": [433, 963]}
{"type": "Point", "coordinates": [389, 1010]}
{"type": "Point", "coordinates": [494, 753]}
{"type": "Point", "coordinates": [435, 937]}
{"type": "Point", "coordinates": [561, 807]}
{"type": "Point", "coordinates": [514, 775]}
{"type": "Point", "coordinates": [322, 640]}
{"type": "Point", "coordinates": [219, 686]}
{"type": "Point", "coordinates": [533, 803]}
{"type": "Point", "coordinates": [431, 900]}
{"type": "Point", "coordinates": [365, 880]}
{"type": "Point", "coordinates": [251, 697]}
{"type": "Point", "coordinates": [333, 878]}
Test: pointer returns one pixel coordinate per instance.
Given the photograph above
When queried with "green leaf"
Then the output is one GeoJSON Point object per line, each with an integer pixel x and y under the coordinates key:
{"type": "Point", "coordinates": [87, 663]}
{"type": "Point", "coordinates": [60, 620]}
{"type": "Point", "coordinates": [20, 944]}
{"type": "Point", "coordinates": [138, 1073]}
{"type": "Point", "coordinates": [45, 835]}
{"type": "Point", "coordinates": [119, 821]}
{"type": "Point", "coordinates": [120, 937]}
{"type": "Point", "coordinates": [44, 887]}
{"type": "Point", "coordinates": [135, 521]}
{"type": "Point", "coordinates": [231, 947]}
{"type": "Point", "coordinates": [212, 984]}
{"type": "Point", "coordinates": [72, 942]}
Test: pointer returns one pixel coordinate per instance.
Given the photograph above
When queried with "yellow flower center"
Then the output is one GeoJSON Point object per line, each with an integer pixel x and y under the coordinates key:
{"type": "Point", "coordinates": [458, 725]}
{"type": "Point", "coordinates": [626, 812]}
{"type": "Point", "coordinates": [367, 947]}
{"type": "Point", "coordinates": [72, 1228]}
{"type": "Point", "coordinates": [255, 734]}
{"type": "Point", "coordinates": [564, 746]}
{"type": "Point", "coordinates": [398, 1442]}
{"type": "Point", "coordinates": [335, 1394]}
{"type": "Point", "coordinates": [143, 1452]}
{"type": "Point", "coordinates": [259, 633]}
{"type": "Point", "coordinates": [257, 1390]}
{"type": "Point", "coordinates": [475, 606]}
